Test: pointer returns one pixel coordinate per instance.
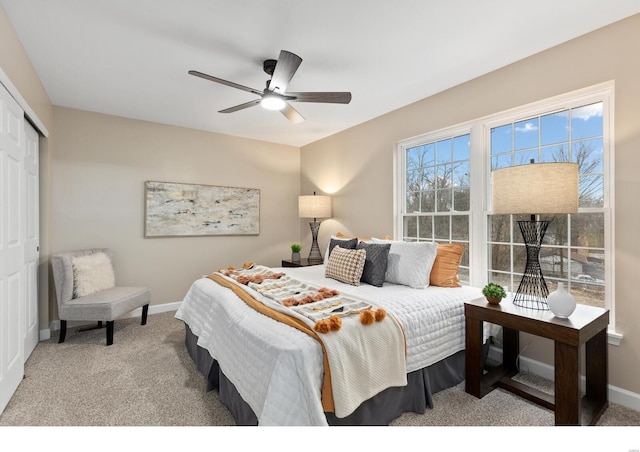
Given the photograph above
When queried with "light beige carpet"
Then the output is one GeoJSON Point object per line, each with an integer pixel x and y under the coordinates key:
{"type": "Point", "coordinates": [146, 378]}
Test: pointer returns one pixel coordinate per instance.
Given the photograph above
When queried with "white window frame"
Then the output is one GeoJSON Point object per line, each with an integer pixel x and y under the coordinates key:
{"type": "Point", "coordinates": [400, 181]}
{"type": "Point", "coordinates": [480, 176]}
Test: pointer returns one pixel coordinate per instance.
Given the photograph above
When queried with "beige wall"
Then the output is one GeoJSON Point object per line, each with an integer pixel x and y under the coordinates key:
{"type": "Point", "coordinates": [98, 173]}
{"type": "Point", "coordinates": [357, 164]}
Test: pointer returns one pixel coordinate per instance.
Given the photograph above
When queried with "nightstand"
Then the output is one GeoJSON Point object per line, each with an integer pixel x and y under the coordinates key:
{"type": "Point", "coordinates": [587, 327]}
{"type": "Point", "coordinates": [301, 263]}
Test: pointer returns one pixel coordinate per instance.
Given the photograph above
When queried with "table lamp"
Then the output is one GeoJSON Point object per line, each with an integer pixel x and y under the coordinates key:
{"type": "Point", "coordinates": [536, 188]}
{"type": "Point", "coordinates": [314, 206]}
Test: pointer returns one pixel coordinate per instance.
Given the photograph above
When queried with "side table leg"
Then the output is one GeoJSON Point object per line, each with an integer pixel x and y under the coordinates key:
{"type": "Point", "coordinates": [596, 369]}
{"type": "Point", "coordinates": [567, 388]}
{"type": "Point", "coordinates": [473, 356]}
{"type": "Point", "coordinates": [510, 350]}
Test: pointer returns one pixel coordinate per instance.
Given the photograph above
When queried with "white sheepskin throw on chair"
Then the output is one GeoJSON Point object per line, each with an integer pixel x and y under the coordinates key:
{"type": "Point", "coordinates": [92, 273]}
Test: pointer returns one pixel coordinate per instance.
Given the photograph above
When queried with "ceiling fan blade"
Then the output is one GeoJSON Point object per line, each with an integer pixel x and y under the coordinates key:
{"type": "Point", "coordinates": [241, 106]}
{"type": "Point", "coordinates": [292, 114]}
{"type": "Point", "coordinates": [225, 82]}
{"type": "Point", "coordinates": [286, 67]}
{"type": "Point", "coordinates": [326, 97]}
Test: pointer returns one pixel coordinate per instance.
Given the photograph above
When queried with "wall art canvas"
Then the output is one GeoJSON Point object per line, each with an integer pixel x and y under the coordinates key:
{"type": "Point", "coordinates": [175, 209]}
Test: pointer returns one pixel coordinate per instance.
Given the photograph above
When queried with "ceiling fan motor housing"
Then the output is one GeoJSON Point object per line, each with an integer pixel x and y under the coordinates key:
{"type": "Point", "coordinates": [269, 66]}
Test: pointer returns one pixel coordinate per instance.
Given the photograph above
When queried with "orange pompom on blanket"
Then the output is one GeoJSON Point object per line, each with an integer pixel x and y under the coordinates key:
{"type": "Point", "coordinates": [322, 326]}
{"type": "Point", "coordinates": [380, 314]}
{"type": "Point", "coordinates": [368, 317]}
{"type": "Point", "coordinates": [333, 323]}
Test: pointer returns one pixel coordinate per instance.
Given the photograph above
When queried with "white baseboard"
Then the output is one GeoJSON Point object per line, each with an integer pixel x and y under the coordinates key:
{"type": "Point", "coordinates": [153, 309]}
{"type": "Point", "coordinates": [616, 395]}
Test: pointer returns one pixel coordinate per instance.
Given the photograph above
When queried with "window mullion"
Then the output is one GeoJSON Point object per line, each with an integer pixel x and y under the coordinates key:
{"type": "Point", "coordinates": [478, 168]}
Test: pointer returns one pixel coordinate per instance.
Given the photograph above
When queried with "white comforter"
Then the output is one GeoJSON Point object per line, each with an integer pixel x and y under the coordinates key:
{"type": "Point", "coordinates": [278, 370]}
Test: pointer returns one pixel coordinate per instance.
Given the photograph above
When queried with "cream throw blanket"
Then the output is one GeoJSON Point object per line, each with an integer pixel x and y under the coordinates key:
{"type": "Point", "coordinates": [363, 359]}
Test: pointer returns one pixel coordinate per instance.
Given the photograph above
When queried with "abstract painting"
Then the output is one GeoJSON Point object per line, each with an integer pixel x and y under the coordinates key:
{"type": "Point", "coordinates": [175, 209]}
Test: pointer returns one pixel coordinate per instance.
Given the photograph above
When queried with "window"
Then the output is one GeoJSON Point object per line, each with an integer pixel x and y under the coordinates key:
{"type": "Point", "coordinates": [436, 187]}
{"type": "Point", "coordinates": [443, 187]}
{"type": "Point", "coordinates": [573, 251]}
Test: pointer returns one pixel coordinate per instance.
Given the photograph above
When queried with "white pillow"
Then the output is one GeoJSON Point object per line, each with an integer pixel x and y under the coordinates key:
{"type": "Point", "coordinates": [92, 273]}
{"type": "Point", "coordinates": [326, 251]}
{"type": "Point", "coordinates": [409, 263]}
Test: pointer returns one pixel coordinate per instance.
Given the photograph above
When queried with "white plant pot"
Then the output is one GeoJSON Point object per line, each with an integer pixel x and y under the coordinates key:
{"type": "Point", "coordinates": [561, 303]}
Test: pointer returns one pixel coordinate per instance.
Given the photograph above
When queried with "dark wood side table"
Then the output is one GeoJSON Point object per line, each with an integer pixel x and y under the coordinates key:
{"type": "Point", "coordinates": [301, 263]}
{"type": "Point", "coordinates": [587, 325]}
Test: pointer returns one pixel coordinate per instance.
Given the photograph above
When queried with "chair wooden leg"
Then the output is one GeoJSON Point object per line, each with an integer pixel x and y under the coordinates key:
{"type": "Point", "coordinates": [145, 310]}
{"type": "Point", "coordinates": [109, 332]}
{"type": "Point", "coordinates": [63, 331]}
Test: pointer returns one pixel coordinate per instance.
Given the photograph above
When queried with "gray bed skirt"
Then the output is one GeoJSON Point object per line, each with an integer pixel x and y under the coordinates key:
{"type": "Point", "coordinates": [416, 397]}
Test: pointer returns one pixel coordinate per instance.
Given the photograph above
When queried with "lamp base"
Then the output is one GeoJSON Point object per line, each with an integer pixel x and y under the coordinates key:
{"type": "Point", "coordinates": [315, 257]}
{"type": "Point", "coordinates": [532, 292]}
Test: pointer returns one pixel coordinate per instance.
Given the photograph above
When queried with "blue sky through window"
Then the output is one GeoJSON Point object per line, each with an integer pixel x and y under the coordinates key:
{"type": "Point", "coordinates": [574, 134]}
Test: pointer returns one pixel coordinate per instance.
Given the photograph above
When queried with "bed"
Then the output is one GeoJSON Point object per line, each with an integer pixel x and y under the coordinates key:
{"type": "Point", "coordinates": [268, 373]}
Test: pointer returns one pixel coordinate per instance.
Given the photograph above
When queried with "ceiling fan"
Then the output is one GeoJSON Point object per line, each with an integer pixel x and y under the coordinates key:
{"type": "Point", "coordinates": [275, 95]}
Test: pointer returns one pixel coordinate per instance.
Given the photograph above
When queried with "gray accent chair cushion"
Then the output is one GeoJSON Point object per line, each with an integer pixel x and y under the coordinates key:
{"type": "Point", "coordinates": [104, 305]}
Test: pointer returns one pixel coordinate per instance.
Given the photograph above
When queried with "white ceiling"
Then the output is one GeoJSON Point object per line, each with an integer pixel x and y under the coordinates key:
{"type": "Point", "coordinates": [130, 57]}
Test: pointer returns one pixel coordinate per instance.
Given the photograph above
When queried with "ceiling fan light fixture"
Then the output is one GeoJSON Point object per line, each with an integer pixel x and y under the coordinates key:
{"type": "Point", "coordinates": [275, 95]}
{"type": "Point", "coordinates": [272, 103]}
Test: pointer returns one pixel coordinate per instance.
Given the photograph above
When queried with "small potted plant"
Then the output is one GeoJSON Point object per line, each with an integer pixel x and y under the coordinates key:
{"type": "Point", "coordinates": [295, 251]}
{"type": "Point", "coordinates": [493, 293]}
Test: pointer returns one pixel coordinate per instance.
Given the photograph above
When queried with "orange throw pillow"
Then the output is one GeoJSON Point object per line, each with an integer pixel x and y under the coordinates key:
{"type": "Point", "coordinates": [445, 268]}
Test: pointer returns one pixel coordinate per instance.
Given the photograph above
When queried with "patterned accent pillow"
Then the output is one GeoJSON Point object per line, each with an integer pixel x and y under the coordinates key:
{"type": "Point", "coordinates": [409, 263]}
{"type": "Point", "coordinates": [375, 264]}
{"type": "Point", "coordinates": [445, 268]}
{"type": "Point", "coordinates": [347, 244]}
{"type": "Point", "coordinates": [346, 265]}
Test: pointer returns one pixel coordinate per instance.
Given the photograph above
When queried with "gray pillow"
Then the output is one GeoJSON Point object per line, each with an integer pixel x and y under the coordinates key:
{"type": "Point", "coordinates": [346, 244]}
{"type": "Point", "coordinates": [375, 263]}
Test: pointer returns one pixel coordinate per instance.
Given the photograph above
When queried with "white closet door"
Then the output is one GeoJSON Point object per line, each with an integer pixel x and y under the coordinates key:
{"type": "Point", "coordinates": [32, 238]}
{"type": "Point", "coordinates": [12, 257]}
